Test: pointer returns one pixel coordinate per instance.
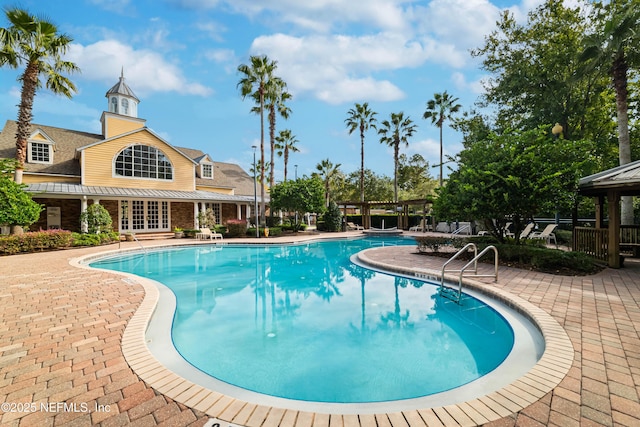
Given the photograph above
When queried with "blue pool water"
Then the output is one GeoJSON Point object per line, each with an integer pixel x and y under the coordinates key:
{"type": "Point", "coordinates": [303, 322]}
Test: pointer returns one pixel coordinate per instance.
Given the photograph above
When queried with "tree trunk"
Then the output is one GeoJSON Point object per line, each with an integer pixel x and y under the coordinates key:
{"type": "Point", "coordinates": [25, 115]}
{"type": "Point", "coordinates": [262, 202]}
{"type": "Point", "coordinates": [619, 75]}
{"type": "Point", "coordinates": [362, 163]}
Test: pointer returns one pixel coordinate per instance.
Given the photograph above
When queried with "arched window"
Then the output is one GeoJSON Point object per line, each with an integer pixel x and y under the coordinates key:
{"type": "Point", "coordinates": [114, 105]}
{"type": "Point", "coordinates": [143, 161]}
{"type": "Point", "coordinates": [125, 106]}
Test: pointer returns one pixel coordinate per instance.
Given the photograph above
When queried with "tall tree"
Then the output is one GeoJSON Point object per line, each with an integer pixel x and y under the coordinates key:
{"type": "Point", "coordinates": [275, 99]}
{"type": "Point", "coordinates": [534, 75]}
{"type": "Point", "coordinates": [394, 132]}
{"type": "Point", "coordinates": [327, 171]}
{"type": "Point", "coordinates": [612, 49]}
{"type": "Point", "coordinates": [442, 107]}
{"type": "Point", "coordinates": [414, 180]}
{"type": "Point", "coordinates": [514, 175]}
{"type": "Point", "coordinates": [285, 144]}
{"type": "Point", "coordinates": [254, 82]}
{"type": "Point", "coordinates": [301, 196]}
{"type": "Point", "coordinates": [35, 43]}
{"type": "Point", "coordinates": [361, 117]}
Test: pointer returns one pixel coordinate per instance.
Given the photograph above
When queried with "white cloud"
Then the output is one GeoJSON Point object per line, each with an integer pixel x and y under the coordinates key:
{"type": "Point", "coordinates": [148, 70]}
{"type": "Point", "coordinates": [118, 6]}
{"type": "Point", "coordinates": [462, 85]}
{"type": "Point", "coordinates": [342, 68]}
{"type": "Point", "coordinates": [325, 15]}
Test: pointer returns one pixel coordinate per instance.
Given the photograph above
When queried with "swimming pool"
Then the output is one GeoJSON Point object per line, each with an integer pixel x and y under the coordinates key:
{"type": "Point", "coordinates": [263, 310]}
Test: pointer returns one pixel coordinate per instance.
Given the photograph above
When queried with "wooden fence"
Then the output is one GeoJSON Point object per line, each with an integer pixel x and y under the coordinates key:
{"type": "Point", "coordinates": [595, 241]}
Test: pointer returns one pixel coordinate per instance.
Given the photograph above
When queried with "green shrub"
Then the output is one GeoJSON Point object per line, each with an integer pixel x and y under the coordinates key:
{"type": "Point", "coordinates": [275, 231]}
{"type": "Point", "coordinates": [190, 232]}
{"type": "Point", "coordinates": [237, 228]}
{"type": "Point", "coordinates": [547, 260]}
{"type": "Point", "coordinates": [35, 241]}
{"type": "Point", "coordinates": [85, 239]}
{"type": "Point", "coordinates": [332, 218]}
{"type": "Point", "coordinates": [97, 219]}
{"type": "Point", "coordinates": [432, 243]}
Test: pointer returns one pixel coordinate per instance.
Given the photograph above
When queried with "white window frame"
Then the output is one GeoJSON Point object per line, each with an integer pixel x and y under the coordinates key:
{"type": "Point", "coordinates": [133, 165]}
{"type": "Point", "coordinates": [144, 210]}
{"type": "Point", "coordinates": [202, 170]}
{"type": "Point", "coordinates": [47, 145]}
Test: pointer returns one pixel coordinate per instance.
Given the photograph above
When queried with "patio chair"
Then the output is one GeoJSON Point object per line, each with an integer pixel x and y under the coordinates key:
{"type": "Point", "coordinates": [206, 233]}
{"type": "Point", "coordinates": [419, 227]}
{"type": "Point", "coordinates": [353, 226]}
{"type": "Point", "coordinates": [527, 230]}
{"type": "Point", "coordinates": [546, 234]}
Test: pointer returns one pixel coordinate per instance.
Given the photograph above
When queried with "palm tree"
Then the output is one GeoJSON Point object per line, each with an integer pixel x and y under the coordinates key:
{"type": "Point", "coordinates": [327, 171]}
{"type": "Point", "coordinates": [361, 117]}
{"type": "Point", "coordinates": [285, 144]}
{"type": "Point", "coordinates": [35, 43]}
{"type": "Point", "coordinates": [613, 48]}
{"type": "Point", "coordinates": [275, 97]}
{"type": "Point", "coordinates": [394, 132]}
{"type": "Point", "coordinates": [254, 82]}
{"type": "Point", "coordinates": [439, 109]}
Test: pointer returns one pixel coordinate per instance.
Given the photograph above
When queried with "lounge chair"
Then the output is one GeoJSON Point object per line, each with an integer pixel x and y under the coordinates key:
{"type": "Point", "coordinates": [523, 235]}
{"type": "Point", "coordinates": [353, 226]}
{"type": "Point", "coordinates": [419, 227]}
{"type": "Point", "coordinates": [546, 234]}
{"type": "Point", "coordinates": [206, 233]}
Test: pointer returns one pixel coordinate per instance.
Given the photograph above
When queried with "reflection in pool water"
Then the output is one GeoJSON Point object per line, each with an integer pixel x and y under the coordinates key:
{"type": "Point", "coordinates": [303, 322]}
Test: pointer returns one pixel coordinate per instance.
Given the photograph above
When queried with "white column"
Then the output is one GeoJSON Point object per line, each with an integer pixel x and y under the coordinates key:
{"type": "Point", "coordinates": [83, 207]}
{"type": "Point", "coordinates": [196, 211]}
{"type": "Point", "coordinates": [238, 211]}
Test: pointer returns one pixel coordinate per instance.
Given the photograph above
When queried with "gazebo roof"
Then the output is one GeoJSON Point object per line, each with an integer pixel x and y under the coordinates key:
{"type": "Point", "coordinates": [624, 179]}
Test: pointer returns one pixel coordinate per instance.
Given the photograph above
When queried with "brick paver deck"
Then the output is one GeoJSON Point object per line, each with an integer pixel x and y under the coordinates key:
{"type": "Point", "coordinates": [62, 363]}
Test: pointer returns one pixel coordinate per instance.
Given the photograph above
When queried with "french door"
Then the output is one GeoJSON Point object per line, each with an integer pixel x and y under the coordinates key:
{"type": "Point", "coordinates": [144, 215]}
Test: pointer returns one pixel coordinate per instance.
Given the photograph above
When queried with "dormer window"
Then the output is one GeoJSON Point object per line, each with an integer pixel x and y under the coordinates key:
{"type": "Point", "coordinates": [206, 170]}
{"type": "Point", "coordinates": [40, 152]}
{"type": "Point", "coordinates": [143, 161]}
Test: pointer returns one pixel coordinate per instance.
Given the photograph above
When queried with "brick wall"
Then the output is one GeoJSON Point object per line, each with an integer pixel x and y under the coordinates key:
{"type": "Point", "coordinates": [182, 215]}
{"type": "Point", "coordinates": [69, 214]}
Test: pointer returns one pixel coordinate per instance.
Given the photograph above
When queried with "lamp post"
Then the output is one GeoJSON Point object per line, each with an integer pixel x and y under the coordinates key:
{"type": "Point", "coordinates": [296, 213]}
{"type": "Point", "coordinates": [556, 130]}
{"type": "Point", "coordinates": [255, 190]}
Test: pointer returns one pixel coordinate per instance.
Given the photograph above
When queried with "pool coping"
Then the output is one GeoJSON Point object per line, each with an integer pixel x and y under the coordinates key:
{"type": "Point", "coordinates": [552, 367]}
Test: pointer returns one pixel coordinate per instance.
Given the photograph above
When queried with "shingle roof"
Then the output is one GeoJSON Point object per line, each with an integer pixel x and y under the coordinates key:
{"type": "Point", "coordinates": [81, 190]}
{"type": "Point", "coordinates": [67, 141]}
{"type": "Point", "coordinates": [225, 175]}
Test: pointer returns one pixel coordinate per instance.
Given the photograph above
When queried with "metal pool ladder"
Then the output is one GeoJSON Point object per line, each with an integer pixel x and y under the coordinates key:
{"type": "Point", "coordinates": [454, 294]}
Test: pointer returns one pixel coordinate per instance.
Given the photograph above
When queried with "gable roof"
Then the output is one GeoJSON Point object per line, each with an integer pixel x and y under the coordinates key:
{"type": "Point", "coordinates": [67, 142]}
{"type": "Point", "coordinates": [225, 175]}
{"type": "Point", "coordinates": [624, 178]}
{"type": "Point", "coordinates": [143, 129]}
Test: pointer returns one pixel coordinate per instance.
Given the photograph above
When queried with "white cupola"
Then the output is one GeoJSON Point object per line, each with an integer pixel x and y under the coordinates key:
{"type": "Point", "coordinates": [122, 100]}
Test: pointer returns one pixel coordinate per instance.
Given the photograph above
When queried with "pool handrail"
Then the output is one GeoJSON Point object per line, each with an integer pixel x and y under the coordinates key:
{"type": "Point", "coordinates": [445, 289]}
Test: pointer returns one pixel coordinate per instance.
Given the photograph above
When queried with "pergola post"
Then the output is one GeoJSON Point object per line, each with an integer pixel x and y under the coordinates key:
{"type": "Point", "coordinates": [599, 205]}
{"type": "Point", "coordinates": [613, 250]}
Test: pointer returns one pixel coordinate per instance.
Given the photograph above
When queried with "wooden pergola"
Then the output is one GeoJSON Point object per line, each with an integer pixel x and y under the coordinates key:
{"type": "Point", "coordinates": [403, 213]}
{"type": "Point", "coordinates": [604, 242]}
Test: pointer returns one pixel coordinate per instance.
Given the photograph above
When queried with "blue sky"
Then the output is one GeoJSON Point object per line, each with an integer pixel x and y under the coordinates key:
{"type": "Point", "coordinates": [180, 57]}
